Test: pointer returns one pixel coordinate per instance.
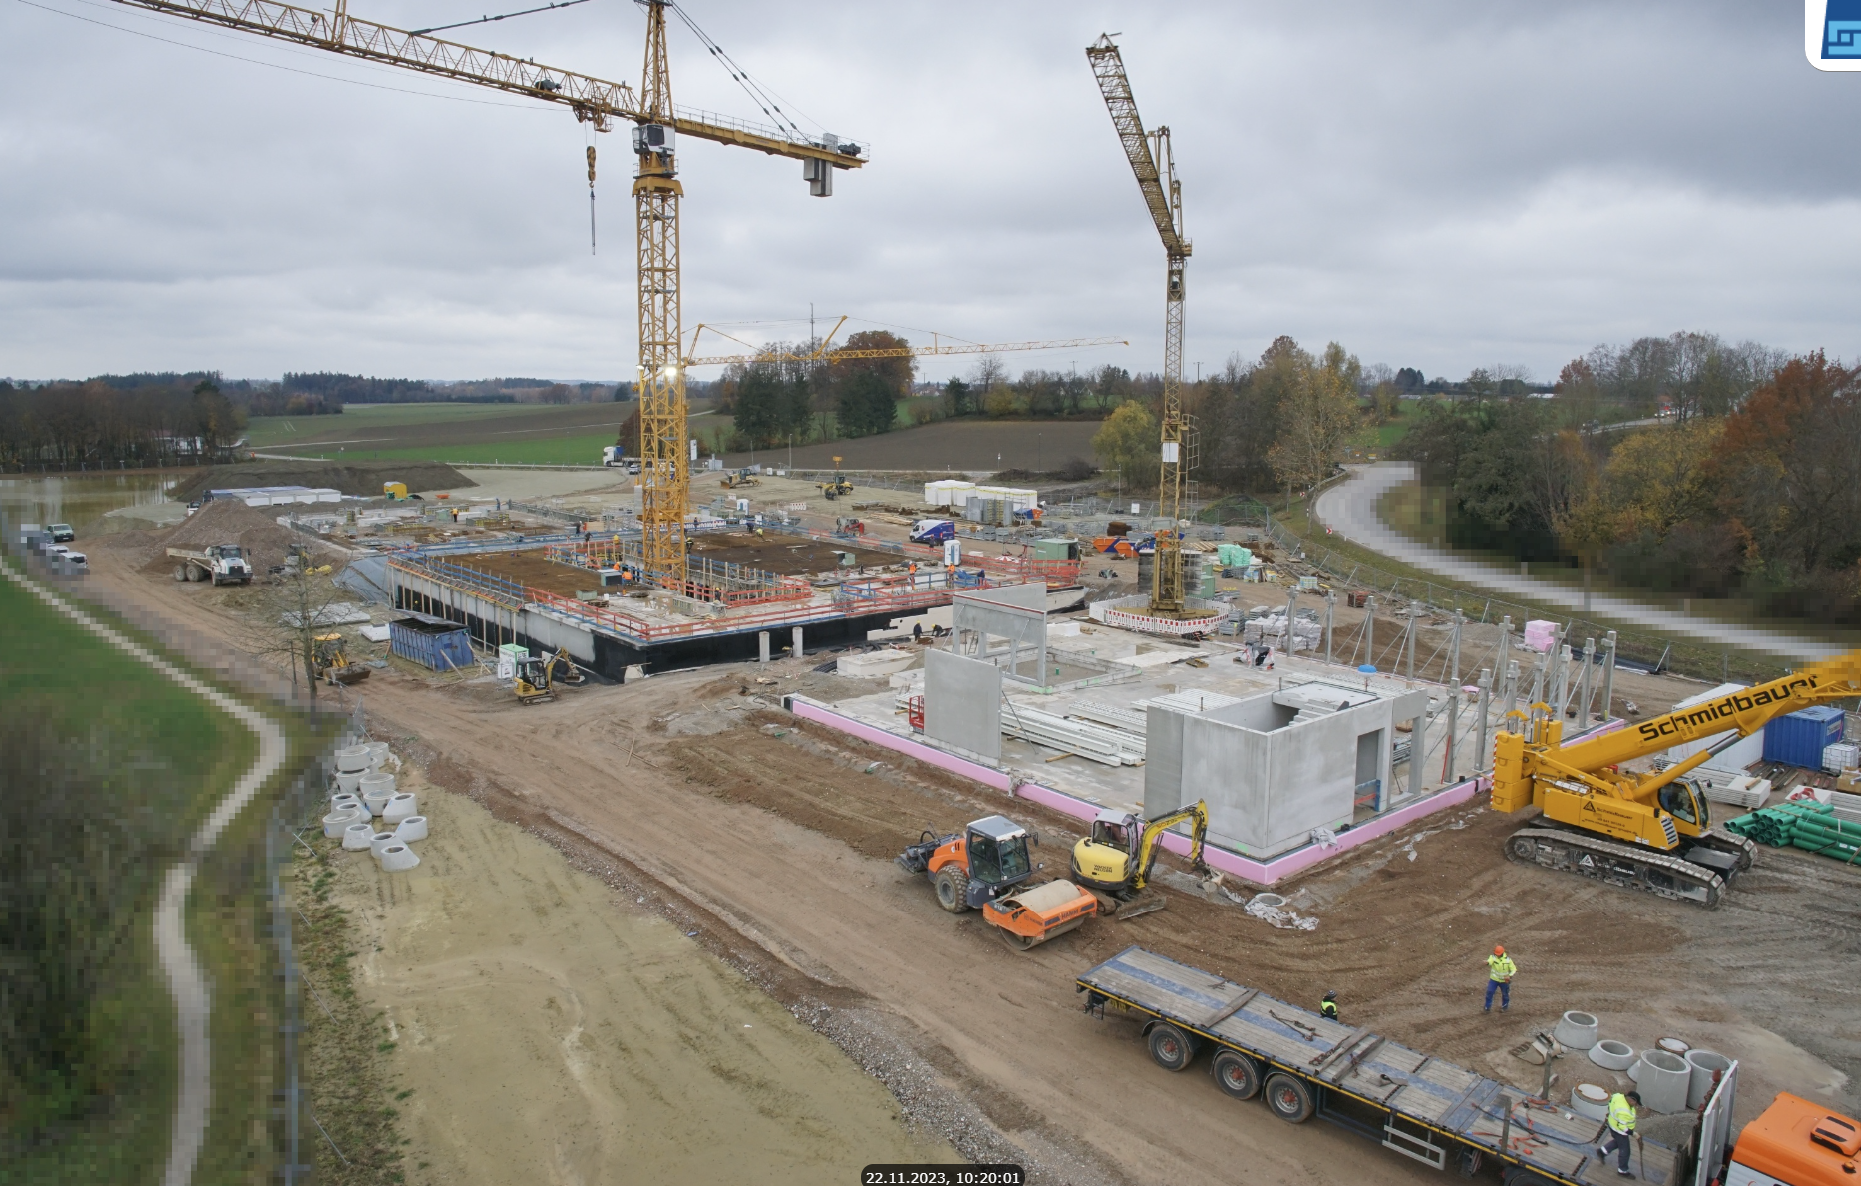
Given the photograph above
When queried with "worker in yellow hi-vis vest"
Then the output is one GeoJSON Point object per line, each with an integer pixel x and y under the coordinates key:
{"type": "Point", "coordinates": [1621, 1128]}
{"type": "Point", "coordinates": [1499, 973]}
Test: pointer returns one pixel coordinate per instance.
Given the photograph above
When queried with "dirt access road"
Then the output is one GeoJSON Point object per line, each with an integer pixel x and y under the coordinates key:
{"type": "Point", "coordinates": [775, 848]}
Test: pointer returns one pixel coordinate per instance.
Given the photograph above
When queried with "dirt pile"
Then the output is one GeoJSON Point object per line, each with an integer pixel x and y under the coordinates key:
{"type": "Point", "coordinates": [223, 521]}
{"type": "Point", "coordinates": [362, 478]}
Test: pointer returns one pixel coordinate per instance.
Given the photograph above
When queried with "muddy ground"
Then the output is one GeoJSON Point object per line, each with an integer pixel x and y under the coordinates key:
{"type": "Point", "coordinates": [773, 842]}
{"type": "Point", "coordinates": [548, 1027]}
{"type": "Point", "coordinates": [961, 446]}
{"type": "Point", "coordinates": [363, 478]}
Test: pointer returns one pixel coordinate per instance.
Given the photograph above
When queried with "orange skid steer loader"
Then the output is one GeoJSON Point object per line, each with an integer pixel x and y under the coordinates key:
{"type": "Point", "coordinates": [986, 868]}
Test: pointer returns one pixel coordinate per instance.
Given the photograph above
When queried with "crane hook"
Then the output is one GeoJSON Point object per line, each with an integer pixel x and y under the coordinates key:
{"type": "Point", "coordinates": [591, 237]}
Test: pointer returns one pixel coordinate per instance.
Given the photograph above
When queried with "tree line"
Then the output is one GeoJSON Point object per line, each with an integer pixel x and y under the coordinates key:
{"type": "Point", "coordinates": [70, 426]}
{"type": "Point", "coordinates": [1747, 483]}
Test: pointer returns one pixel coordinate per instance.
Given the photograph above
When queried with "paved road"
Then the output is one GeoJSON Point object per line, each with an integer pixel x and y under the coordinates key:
{"type": "Point", "coordinates": [1349, 509]}
{"type": "Point", "coordinates": [187, 980]}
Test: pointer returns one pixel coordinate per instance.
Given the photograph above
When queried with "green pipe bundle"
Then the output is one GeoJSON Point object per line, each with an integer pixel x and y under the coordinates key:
{"type": "Point", "coordinates": [1810, 826]}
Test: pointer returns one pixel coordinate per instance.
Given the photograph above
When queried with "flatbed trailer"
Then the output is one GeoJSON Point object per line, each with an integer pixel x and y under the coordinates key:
{"type": "Point", "coordinates": [1306, 1065]}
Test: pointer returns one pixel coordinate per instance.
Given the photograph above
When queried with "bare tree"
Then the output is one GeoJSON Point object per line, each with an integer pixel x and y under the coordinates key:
{"type": "Point", "coordinates": [296, 607]}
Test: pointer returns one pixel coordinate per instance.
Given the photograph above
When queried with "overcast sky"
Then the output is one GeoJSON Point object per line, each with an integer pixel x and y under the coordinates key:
{"type": "Point", "coordinates": [1438, 185]}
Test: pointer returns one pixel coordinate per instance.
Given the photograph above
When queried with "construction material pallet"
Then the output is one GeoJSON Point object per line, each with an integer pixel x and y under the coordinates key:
{"type": "Point", "coordinates": [1417, 1105]}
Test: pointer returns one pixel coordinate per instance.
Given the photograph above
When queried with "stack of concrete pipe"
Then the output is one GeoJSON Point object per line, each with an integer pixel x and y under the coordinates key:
{"type": "Point", "coordinates": [366, 791]}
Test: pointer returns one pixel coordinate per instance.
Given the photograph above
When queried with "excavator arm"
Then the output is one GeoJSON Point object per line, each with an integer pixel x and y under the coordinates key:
{"type": "Point", "coordinates": [1153, 838]}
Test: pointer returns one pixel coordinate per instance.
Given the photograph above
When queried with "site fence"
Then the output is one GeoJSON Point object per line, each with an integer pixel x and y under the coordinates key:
{"type": "Point", "coordinates": [1634, 649]}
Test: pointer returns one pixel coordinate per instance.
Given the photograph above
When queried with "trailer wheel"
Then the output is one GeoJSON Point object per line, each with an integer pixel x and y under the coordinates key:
{"type": "Point", "coordinates": [1237, 1075]}
{"type": "Point", "coordinates": [1290, 1098]}
{"type": "Point", "coordinates": [952, 889]}
{"type": "Point", "coordinates": [1171, 1048]}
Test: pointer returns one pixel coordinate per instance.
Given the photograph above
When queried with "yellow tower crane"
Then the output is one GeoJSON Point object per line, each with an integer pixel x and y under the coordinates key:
{"type": "Point", "coordinates": [665, 470]}
{"type": "Point", "coordinates": [1164, 195]}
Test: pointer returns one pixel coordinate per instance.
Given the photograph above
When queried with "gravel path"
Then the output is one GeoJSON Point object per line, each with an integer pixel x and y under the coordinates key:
{"type": "Point", "coordinates": [187, 980]}
{"type": "Point", "coordinates": [1349, 509]}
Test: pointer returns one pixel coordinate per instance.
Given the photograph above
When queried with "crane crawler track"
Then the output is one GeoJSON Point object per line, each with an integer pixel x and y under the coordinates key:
{"type": "Point", "coordinates": [1616, 864]}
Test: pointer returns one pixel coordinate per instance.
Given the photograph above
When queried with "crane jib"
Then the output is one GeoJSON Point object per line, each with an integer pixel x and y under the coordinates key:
{"type": "Point", "coordinates": [1725, 707]}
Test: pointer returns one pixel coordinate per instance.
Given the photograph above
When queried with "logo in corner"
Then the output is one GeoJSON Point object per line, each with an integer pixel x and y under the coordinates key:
{"type": "Point", "coordinates": [1832, 34]}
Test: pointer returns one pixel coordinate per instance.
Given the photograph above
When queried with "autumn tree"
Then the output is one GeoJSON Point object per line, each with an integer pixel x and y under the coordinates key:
{"type": "Point", "coordinates": [1788, 471]}
{"type": "Point", "coordinates": [1129, 442]}
{"type": "Point", "coordinates": [1317, 418]}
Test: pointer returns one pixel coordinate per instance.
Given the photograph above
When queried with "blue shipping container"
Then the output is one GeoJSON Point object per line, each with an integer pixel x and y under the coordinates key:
{"type": "Point", "coordinates": [1798, 739]}
{"type": "Point", "coordinates": [439, 644]}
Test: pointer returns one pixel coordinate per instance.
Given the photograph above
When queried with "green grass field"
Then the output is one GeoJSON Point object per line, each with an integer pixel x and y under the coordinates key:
{"type": "Point", "coordinates": [167, 757]}
{"type": "Point", "coordinates": [362, 419]}
{"type": "Point", "coordinates": [580, 449]}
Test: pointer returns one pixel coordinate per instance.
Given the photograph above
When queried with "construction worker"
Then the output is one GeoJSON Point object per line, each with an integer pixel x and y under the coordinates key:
{"type": "Point", "coordinates": [1499, 973]}
{"type": "Point", "coordinates": [1621, 1128]}
{"type": "Point", "coordinates": [1329, 1006]}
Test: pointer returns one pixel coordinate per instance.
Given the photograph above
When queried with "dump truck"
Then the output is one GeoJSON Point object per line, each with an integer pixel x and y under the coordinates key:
{"type": "Point", "coordinates": [1304, 1065]}
{"type": "Point", "coordinates": [222, 564]}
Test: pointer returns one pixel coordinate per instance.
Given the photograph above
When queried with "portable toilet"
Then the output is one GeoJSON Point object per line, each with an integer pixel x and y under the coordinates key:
{"type": "Point", "coordinates": [508, 656]}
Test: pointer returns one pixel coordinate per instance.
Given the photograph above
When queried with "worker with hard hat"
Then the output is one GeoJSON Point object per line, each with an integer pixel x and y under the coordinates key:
{"type": "Point", "coordinates": [1621, 1128]}
{"type": "Point", "coordinates": [1329, 1006]}
{"type": "Point", "coordinates": [1499, 973]}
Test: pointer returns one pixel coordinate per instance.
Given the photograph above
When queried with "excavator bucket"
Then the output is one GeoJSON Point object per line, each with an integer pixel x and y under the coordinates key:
{"type": "Point", "coordinates": [1032, 916]}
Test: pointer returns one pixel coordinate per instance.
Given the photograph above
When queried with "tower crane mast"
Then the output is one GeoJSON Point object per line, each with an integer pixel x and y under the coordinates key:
{"type": "Point", "coordinates": [665, 472]}
{"type": "Point", "coordinates": [1164, 196]}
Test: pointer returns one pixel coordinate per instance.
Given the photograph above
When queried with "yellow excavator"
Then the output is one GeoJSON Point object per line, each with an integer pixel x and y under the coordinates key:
{"type": "Point", "coordinates": [1649, 831]}
{"type": "Point", "coordinates": [1114, 861]}
{"type": "Point", "coordinates": [332, 663]}
{"type": "Point", "coordinates": [838, 487]}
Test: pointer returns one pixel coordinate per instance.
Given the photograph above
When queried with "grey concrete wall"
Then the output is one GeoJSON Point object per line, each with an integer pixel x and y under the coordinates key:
{"type": "Point", "coordinates": [963, 703]}
{"type": "Point", "coordinates": [1163, 761]}
{"type": "Point", "coordinates": [1266, 789]}
{"type": "Point", "coordinates": [551, 634]}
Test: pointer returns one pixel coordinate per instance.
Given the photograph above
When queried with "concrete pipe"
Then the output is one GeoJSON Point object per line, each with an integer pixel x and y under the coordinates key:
{"type": "Point", "coordinates": [411, 829]}
{"type": "Point", "coordinates": [376, 781]}
{"type": "Point", "coordinates": [336, 821]}
{"type": "Point", "coordinates": [1590, 1101]}
{"type": "Point", "coordinates": [1612, 1056]}
{"type": "Point", "coordinates": [399, 808]}
{"type": "Point", "coordinates": [1662, 1079]}
{"type": "Point", "coordinates": [352, 759]}
{"type": "Point", "coordinates": [1701, 1066]}
{"type": "Point", "coordinates": [1271, 901]}
{"type": "Point", "coordinates": [339, 798]}
{"type": "Point", "coordinates": [398, 858]}
{"type": "Point", "coordinates": [349, 781]}
{"type": "Point", "coordinates": [380, 840]}
{"type": "Point", "coordinates": [1677, 1047]}
{"type": "Point", "coordinates": [377, 753]}
{"type": "Point", "coordinates": [1577, 1030]}
{"type": "Point", "coordinates": [377, 803]}
{"type": "Point", "coordinates": [356, 837]}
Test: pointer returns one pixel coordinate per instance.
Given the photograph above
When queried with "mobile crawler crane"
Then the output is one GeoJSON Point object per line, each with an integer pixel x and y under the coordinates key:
{"type": "Point", "coordinates": [1648, 831]}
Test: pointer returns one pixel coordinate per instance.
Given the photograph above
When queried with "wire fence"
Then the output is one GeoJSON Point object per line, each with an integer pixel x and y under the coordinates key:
{"type": "Point", "coordinates": [1640, 650]}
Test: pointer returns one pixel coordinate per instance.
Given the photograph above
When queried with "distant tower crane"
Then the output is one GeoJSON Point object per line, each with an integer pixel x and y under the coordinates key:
{"type": "Point", "coordinates": [665, 465]}
{"type": "Point", "coordinates": [1166, 210]}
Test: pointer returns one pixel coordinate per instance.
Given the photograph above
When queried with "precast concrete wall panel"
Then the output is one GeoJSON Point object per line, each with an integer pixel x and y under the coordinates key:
{"type": "Point", "coordinates": [963, 703]}
{"type": "Point", "coordinates": [1163, 761]}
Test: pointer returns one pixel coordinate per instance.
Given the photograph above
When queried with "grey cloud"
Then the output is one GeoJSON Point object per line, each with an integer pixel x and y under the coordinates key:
{"type": "Point", "coordinates": [1442, 185]}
